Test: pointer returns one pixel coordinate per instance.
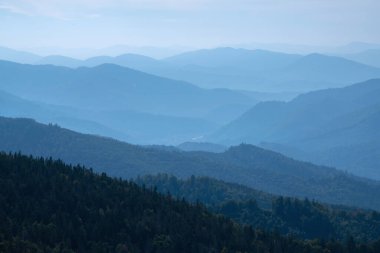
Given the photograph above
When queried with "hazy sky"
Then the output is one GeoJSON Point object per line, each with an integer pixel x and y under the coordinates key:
{"type": "Point", "coordinates": [194, 23]}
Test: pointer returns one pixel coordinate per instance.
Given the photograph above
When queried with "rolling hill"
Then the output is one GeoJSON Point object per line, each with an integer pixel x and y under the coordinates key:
{"type": "Point", "coordinates": [245, 164]}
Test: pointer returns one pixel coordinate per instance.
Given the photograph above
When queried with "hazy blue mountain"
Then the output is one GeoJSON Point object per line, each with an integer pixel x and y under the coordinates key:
{"type": "Point", "coordinates": [202, 146]}
{"type": "Point", "coordinates": [322, 68]}
{"type": "Point", "coordinates": [124, 125]}
{"type": "Point", "coordinates": [12, 106]}
{"type": "Point", "coordinates": [134, 61]}
{"type": "Point", "coordinates": [8, 54]}
{"type": "Point", "coordinates": [229, 67]}
{"type": "Point", "coordinates": [111, 87]}
{"type": "Point", "coordinates": [370, 57]}
{"type": "Point", "coordinates": [132, 105]}
{"type": "Point", "coordinates": [60, 60]}
{"type": "Point", "coordinates": [257, 70]}
{"type": "Point", "coordinates": [242, 69]}
{"type": "Point", "coordinates": [268, 71]}
{"type": "Point", "coordinates": [254, 60]}
{"type": "Point", "coordinates": [350, 142]}
{"type": "Point", "coordinates": [321, 126]}
{"type": "Point", "coordinates": [245, 164]}
{"type": "Point", "coordinates": [146, 128]}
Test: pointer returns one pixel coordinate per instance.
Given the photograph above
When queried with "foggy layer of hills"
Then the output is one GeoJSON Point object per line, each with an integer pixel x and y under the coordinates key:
{"type": "Point", "coordinates": [240, 69]}
{"type": "Point", "coordinates": [111, 87]}
{"type": "Point", "coordinates": [201, 102]}
{"type": "Point", "coordinates": [337, 127]}
{"type": "Point", "coordinates": [334, 127]}
{"type": "Point", "coordinates": [118, 102]}
{"type": "Point", "coordinates": [245, 164]}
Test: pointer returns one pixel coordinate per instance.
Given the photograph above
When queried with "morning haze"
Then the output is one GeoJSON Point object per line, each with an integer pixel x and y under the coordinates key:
{"type": "Point", "coordinates": [190, 23]}
{"type": "Point", "coordinates": [198, 126]}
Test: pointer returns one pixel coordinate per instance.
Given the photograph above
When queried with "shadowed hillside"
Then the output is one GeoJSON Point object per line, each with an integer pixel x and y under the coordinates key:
{"type": "Point", "coordinates": [245, 164]}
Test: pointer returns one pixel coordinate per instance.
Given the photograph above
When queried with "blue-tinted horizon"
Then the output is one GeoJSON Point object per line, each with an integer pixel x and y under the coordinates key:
{"type": "Point", "coordinates": [185, 24]}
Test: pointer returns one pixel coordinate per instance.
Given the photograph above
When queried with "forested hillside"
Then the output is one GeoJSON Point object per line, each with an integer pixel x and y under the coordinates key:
{"type": "Point", "coordinates": [301, 218]}
{"type": "Point", "coordinates": [47, 206]}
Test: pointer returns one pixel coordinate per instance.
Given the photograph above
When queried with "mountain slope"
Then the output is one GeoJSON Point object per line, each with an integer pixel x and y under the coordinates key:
{"type": "Point", "coordinates": [316, 123]}
{"type": "Point", "coordinates": [244, 164]}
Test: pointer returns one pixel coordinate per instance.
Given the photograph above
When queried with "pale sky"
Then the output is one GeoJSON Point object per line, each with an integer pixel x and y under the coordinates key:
{"type": "Point", "coordinates": [193, 23]}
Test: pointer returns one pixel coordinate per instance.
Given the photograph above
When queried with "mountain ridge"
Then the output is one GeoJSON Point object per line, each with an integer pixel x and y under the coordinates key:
{"type": "Point", "coordinates": [313, 122]}
{"type": "Point", "coordinates": [245, 164]}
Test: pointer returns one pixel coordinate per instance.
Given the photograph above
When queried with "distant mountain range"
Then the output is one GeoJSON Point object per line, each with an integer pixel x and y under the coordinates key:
{"type": "Point", "coordinates": [257, 70]}
{"type": "Point", "coordinates": [145, 108]}
{"type": "Point", "coordinates": [254, 70]}
{"type": "Point", "coordinates": [245, 164]}
{"type": "Point", "coordinates": [336, 127]}
{"type": "Point", "coordinates": [111, 87]}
